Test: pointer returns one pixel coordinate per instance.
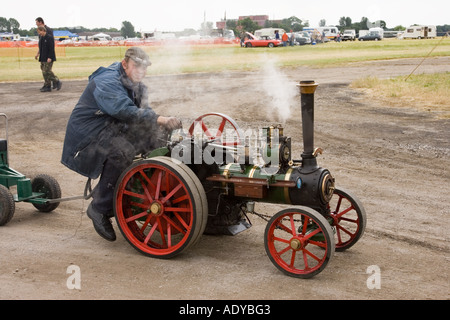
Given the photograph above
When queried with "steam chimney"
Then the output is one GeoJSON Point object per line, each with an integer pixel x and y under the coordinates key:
{"type": "Point", "coordinates": [307, 89]}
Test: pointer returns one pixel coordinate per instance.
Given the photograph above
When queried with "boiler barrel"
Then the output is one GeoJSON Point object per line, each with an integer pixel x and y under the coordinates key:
{"type": "Point", "coordinates": [292, 187]}
{"type": "Point", "coordinates": [255, 183]}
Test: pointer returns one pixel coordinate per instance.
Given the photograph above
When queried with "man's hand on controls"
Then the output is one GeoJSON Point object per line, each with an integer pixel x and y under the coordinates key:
{"type": "Point", "coordinates": [170, 123]}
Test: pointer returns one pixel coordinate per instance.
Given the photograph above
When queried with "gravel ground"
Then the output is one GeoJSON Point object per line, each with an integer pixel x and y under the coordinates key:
{"type": "Point", "coordinates": [395, 159]}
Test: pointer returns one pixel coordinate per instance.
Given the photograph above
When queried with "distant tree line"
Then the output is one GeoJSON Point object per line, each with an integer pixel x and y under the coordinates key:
{"type": "Point", "coordinates": [443, 29]}
{"type": "Point", "coordinates": [363, 24]}
{"type": "Point", "coordinates": [293, 23]}
{"type": "Point", "coordinates": [238, 26]}
{"type": "Point", "coordinates": [9, 25]}
{"type": "Point", "coordinates": [12, 25]}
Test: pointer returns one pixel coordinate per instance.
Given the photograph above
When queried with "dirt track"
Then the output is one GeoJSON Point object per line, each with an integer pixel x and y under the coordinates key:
{"type": "Point", "coordinates": [395, 160]}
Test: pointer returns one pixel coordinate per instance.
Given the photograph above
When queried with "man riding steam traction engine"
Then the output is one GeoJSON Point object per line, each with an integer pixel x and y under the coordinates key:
{"type": "Point", "coordinates": [202, 182]}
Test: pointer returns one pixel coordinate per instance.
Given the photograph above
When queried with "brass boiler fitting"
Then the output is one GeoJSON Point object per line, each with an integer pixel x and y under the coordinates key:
{"type": "Point", "coordinates": [271, 133]}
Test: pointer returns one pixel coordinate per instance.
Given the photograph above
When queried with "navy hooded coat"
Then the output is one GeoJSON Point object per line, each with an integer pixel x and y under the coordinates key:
{"type": "Point", "coordinates": [104, 103]}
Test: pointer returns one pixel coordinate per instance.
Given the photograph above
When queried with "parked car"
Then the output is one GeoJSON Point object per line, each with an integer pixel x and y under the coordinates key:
{"type": "Point", "coordinates": [302, 38]}
{"type": "Point", "coordinates": [370, 36]}
{"type": "Point", "coordinates": [263, 41]}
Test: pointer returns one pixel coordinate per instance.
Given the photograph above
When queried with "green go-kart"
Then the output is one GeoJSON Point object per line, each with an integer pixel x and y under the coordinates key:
{"type": "Point", "coordinates": [43, 191]}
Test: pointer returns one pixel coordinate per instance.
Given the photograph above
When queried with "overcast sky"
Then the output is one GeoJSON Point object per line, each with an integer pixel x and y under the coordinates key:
{"type": "Point", "coordinates": [176, 15]}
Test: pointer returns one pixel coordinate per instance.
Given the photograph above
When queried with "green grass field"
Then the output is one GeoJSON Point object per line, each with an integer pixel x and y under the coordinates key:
{"type": "Point", "coordinates": [430, 92]}
{"type": "Point", "coordinates": [80, 62]}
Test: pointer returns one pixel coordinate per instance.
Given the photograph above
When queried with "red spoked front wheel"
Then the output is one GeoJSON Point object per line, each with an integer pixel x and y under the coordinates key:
{"type": "Point", "coordinates": [349, 219]}
{"type": "Point", "coordinates": [218, 127]}
{"type": "Point", "coordinates": [160, 207]}
{"type": "Point", "coordinates": [299, 242]}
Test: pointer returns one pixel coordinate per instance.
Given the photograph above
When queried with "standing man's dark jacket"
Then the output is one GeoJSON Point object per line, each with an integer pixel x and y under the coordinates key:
{"type": "Point", "coordinates": [47, 48]}
{"type": "Point", "coordinates": [49, 31]}
{"type": "Point", "coordinates": [107, 105]}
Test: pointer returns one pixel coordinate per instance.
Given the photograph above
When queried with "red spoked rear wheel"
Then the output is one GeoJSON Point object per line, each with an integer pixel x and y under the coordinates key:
{"type": "Point", "coordinates": [349, 219]}
{"type": "Point", "coordinates": [219, 127]}
{"type": "Point", "coordinates": [299, 242]}
{"type": "Point", "coordinates": [159, 207]}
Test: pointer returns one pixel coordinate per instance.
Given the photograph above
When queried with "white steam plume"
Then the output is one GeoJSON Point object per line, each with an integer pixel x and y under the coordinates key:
{"type": "Point", "coordinates": [281, 92]}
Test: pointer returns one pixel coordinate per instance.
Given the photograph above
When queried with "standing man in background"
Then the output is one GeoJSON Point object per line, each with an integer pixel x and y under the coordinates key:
{"type": "Point", "coordinates": [46, 57]}
{"type": "Point", "coordinates": [46, 65]}
{"type": "Point", "coordinates": [285, 39]}
{"type": "Point", "coordinates": [40, 22]}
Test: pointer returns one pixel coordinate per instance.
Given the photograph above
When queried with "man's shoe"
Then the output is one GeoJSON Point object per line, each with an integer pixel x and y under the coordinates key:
{"type": "Point", "coordinates": [46, 89]}
{"type": "Point", "coordinates": [102, 224]}
{"type": "Point", "coordinates": [57, 85]}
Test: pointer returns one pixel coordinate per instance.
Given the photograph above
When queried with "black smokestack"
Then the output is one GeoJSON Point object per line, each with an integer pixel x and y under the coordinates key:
{"type": "Point", "coordinates": [307, 89]}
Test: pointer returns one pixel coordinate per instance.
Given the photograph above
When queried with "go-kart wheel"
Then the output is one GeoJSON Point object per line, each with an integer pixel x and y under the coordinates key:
{"type": "Point", "coordinates": [224, 124]}
{"type": "Point", "coordinates": [349, 219]}
{"type": "Point", "coordinates": [299, 242]}
{"type": "Point", "coordinates": [159, 207]}
{"type": "Point", "coordinates": [47, 185]}
{"type": "Point", "coordinates": [7, 205]}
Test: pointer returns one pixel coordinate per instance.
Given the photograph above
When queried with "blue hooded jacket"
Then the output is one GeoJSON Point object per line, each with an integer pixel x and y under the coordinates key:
{"type": "Point", "coordinates": [104, 102]}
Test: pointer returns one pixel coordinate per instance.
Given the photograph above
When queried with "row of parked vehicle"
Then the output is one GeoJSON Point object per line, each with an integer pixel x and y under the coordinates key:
{"type": "Point", "coordinates": [271, 40]}
{"type": "Point", "coordinates": [271, 37]}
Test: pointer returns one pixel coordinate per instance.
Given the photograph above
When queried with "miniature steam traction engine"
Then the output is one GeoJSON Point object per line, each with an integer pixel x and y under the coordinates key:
{"type": "Point", "coordinates": [203, 182]}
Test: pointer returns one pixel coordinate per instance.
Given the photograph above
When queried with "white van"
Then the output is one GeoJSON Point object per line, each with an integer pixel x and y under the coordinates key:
{"type": "Point", "coordinates": [377, 30]}
{"type": "Point", "coordinates": [268, 32]}
{"type": "Point", "coordinates": [419, 32]}
{"type": "Point", "coordinates": [349, 34]}
{"type": "Point", "coordinates": [330, 32]}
